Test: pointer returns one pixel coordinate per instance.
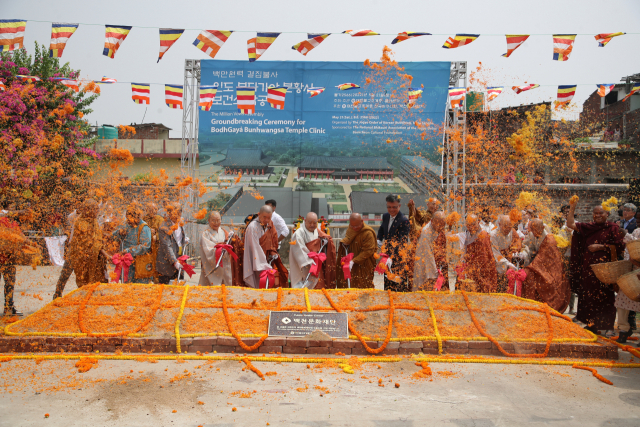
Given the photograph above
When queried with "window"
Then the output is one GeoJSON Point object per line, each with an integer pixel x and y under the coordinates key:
{"type": "Point", "coordinates": [611, 98]}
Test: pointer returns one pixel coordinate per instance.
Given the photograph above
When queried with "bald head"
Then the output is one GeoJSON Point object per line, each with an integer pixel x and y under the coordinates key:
{"type": "Point", "coordinates": [600, 215]}
{"type": "Point", "coordinates": [355, 221]}
{"type": "Point", "coordinates": [536, 226]}
{"type": "Point", "coordinates": [311, 221]}
{"type": "Point", "coordinates": [438, 221]}
{"type": "Point", "coordinates": [505, 224]}
{"type": "Point", "coordinates": [473, 223]}
{"type": "Point", "coordinates": [264, 215]}
{"type": "Point", "coordinates": [215, 219]}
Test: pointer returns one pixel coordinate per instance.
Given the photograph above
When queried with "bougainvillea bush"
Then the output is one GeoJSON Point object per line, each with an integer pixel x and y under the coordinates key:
{"type": "Point", "coordinates": [44, 156]}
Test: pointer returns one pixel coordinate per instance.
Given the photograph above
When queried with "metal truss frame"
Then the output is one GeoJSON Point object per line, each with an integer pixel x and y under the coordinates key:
{"type": "Point", "coordinates": [454, 153]}
{"type": "Point", "coordinates": [189, 195]}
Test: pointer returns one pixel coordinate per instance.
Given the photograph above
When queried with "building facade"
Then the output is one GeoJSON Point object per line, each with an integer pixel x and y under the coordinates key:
{"type": "Point", "coordinates": [345, 168]}
{"type": "Point", "coordinates": [421, 175]}
{"type": "Point", "coordinates": [246, 161]}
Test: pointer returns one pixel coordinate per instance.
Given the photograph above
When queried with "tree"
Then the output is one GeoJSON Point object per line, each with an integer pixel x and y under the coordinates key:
{"type": "Point", "coordinates": [44, 154]}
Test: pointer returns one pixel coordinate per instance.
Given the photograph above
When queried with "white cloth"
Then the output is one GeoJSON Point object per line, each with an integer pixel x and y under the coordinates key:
{"type": "Point", "coordinates": [281, 226]}
{"type": "Point", "coordinates": [255, 260]}
{"type": "Point", "coordinates": [565, 232]}
{"type": "Point", "coordinates": [531, 246]}
{"type": "Point", "coordinates": [55, 247]}
{"type": "Point", "coordinates": [209, 277]}
{"type": "Point", "coordinates": [425, 262]}
{"type": "Point", "coordinates": [487, 226]}
{"type": "Point", "coordinates": [465, 239]}
{"type": "Point", "coordinates": [500, 242]}
{"type": "Point", "coordinates": [299, 261]}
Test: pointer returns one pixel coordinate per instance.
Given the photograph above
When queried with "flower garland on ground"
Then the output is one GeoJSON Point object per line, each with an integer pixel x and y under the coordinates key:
{"type": "Point", "coordinates": [628, 348]}
{"type": "Point", "coordinates": [435, 324]}
{"type": "Point", "coordinates": [594, 372]}
{"type": "Point", "coordinates": [253, 368]}
{"type": "Point", "coordinates": [497, 344]}
{"type": "Point", "coordinates": [357, 334]}
{"type": "Point", "coordinates": [306, 299]}
{"type": "Point", "coordinates": [233, 332]}
{"type": "Point", "coordinates": [85, 301]}
{"type": "Point", "coordinates": [177, 328]}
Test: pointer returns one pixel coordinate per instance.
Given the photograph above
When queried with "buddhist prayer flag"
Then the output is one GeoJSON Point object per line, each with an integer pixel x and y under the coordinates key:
{"type": "Point", "coordinates": [493, 92]}
{"type": "Point", "coordinates": [605, 38]}
{"type": "Point", "coordinates": [513, 42]}
{"type": "Point", "coordinates": [315, 91]}
{"type": "Point", "coordinates": [246, 100]}
{"type": "Point", "coordinates": [348, 86]}
{"type": "Point", "coordinates": [604, 89]}
{"type": "Point", "coordinates": [520, 89]}
{"type": "Point", "coordinates": [406, 35]}
{"type": "Point", "coordinates": [562, 46]}
{"type": "Point", "coordinates": [276, 96]}
{"type": "Point", "coordinates": [459, 40]}
{"type": "Point", "coordinates": [210, 41]}
{"type": "Point", "coordinates": [207, 93]}
{"type": "Point", "coordinates": [12, 34]}
{"type": "Point", "coordinates": [71, 84]}
{"type": "Point", "coordinates": [60, 34]}
{"type": "Point", "coordinates": [251, 49]}
{"type": "Point", "coordinates": [114, 36]}
{"type": "Point", "coordinates": [107, 80]}
{"type": "Point", "coordinates": [28, 79]}
{"type": "Point", "coordinates": [360, 33]}
{"type": "Point", "coordinates": [2, 87]}
{"type": "Point", "coordinates": [141, 93]}
{"type": "Point", "coordinates": [566, 93]}
{"type": "Point", "coordinates": [634, 89]}
{"type": "Point", "coordinates": [413, 93]}
{"type": "Point", "coordinates": [262, 43]}
{"type": "Point", "coordinates": [456, 95]}
{"type": "Point", "coordinates": [173, 96]}
{"type": "Point", "coordinates": [313, 40]}
{"type": "Point", "coordinates": [168, 36]}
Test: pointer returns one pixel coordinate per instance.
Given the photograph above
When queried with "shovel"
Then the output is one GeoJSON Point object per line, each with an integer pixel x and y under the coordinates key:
{"type": "Point", "coordinates": [306, 280]}
{"type": "Point", "coordinates": [346, 251]}
{"type": "Point", "coordinates": [273, 258]}
{"type": "Point", "coordinates": [223, 251]}
{"type": "Point", "coordinates": [180, 269]}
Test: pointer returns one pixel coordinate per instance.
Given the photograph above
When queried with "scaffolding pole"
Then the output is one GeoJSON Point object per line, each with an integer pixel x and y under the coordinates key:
{"type": "Point", "coordinates": [189, 195]}
{"type": "Point", "coordinates": [455, 152]}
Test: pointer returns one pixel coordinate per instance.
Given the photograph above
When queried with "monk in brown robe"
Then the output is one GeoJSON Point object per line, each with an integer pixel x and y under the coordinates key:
{"type": "Point", "coordinates": [304, 254]}
{"type": "Point", "coordinates": [260, 248]}
{"type": "Point", "coordinates": [360, 241]}
{"type": "Point", "coordinates": [479, 264]}
{"type": "Point", "coordinates": [545, 281]}
{"type": "Point", "coordinates": [593, 243]}
{"type": "Point", "coordinates": [85, 253]}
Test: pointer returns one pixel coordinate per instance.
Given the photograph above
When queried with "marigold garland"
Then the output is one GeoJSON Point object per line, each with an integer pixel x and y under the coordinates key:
{"type": "Point", "coordinates": [623, 347]}
{"type": "Point", "coordinates": [306, 299]}
{"type": "Point", "coordinates": [85, 301]}
{"type": "Point", "coordinates": [233, 332]}
{"type": "Point", "coordinates": [497, 344]}
{"type": "Point", "coordinates": [357, 334]}
{"type": "Point", "coordinates": [435, 324]}
{"type": "Point", "coordinates": [594, 372]}
{"type": "Point", "coordinates": [253, 368]}
{"type": "Point", "coordinates": [177, 328]}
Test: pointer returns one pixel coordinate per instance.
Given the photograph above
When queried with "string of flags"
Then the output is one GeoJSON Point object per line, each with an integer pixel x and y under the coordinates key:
{"type": "Point", "coordinates": [211, 41]}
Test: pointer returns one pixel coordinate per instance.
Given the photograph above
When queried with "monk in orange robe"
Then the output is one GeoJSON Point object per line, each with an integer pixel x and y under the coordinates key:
{"type": "Point", "coordinates": [479, 264]}
{"type": "Point", "coordinates": [360, 240]}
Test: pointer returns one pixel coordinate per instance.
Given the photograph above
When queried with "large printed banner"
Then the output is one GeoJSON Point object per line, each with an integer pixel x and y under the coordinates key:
{"type": "Point", "coordinates": [336, 122]}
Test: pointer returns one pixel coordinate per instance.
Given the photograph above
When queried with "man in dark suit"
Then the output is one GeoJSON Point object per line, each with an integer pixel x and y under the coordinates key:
{"type": "Point", "coordinates": [172, 241]}
{"type": "Point", "coordinates": [393, 236]}
{"type": "Point", "coordinates": [628, 220]}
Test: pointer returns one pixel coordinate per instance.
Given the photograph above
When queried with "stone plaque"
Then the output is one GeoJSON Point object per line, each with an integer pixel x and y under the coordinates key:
{"type": "Point", "coordinates": [296, 324]}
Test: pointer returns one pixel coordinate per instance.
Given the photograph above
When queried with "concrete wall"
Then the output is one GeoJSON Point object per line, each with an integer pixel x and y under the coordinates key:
{"type": "Point", "coordinates": [143, 147]}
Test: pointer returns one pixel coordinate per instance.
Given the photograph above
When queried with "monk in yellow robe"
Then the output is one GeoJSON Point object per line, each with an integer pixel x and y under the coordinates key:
{"type": "Point", "coordinates": [360, 241]}
{"type": "Point", "coordinates": [154, 221]}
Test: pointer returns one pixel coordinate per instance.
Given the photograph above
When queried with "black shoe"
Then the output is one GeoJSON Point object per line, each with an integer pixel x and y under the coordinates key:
{"type": "Point", "coordinates": [622, 336]}
{"type": "Point", "coordinates": [592, 329]}
{"type": "Point", "coordinates": [12, 312]}
{"type": "Point", "coordinates": [632, 321]}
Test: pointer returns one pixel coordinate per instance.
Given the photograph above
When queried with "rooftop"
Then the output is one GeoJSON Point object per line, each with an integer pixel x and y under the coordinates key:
{"type": "Point", "coordinates": [245, 158]}
{"type": "Point", "coordinates": [341, 163]}
{"type": "Point", "coordinates": [291, 204]}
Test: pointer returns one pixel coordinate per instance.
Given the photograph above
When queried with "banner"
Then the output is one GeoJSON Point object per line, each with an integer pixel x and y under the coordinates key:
{"type": "Point", "coordinates": [364, 122]}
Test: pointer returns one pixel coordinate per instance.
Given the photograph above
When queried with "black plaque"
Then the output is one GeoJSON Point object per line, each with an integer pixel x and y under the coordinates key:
{"type": "Point", "coordinates": [296, 324]}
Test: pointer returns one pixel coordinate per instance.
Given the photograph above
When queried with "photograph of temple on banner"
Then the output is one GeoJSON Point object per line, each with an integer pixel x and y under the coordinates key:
{"type": "Point", "coordinates": [328, 128]}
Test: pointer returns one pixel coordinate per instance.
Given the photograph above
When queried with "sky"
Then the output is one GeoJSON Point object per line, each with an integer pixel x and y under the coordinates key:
{"type": "Point", "coordinates": [532, 62]}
